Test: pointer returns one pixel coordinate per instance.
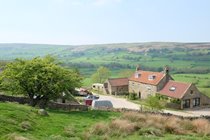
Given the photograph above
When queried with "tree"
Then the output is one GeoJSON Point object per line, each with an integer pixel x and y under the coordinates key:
{"type": "Point", "coordinates": [101, 75]}
{"type": "Point", "coordinates": [41, 79]}
{"type": "Point", "coordinates": [154, 103]}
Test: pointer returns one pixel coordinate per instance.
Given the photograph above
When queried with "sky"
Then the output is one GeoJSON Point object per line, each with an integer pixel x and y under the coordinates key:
{"type": "Point", "coordinates": [77, 22]}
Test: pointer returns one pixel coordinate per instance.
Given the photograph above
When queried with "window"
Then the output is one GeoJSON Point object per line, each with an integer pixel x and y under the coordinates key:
{"type": "Point", "coordinates": [137, 75]}
{"type": "Point", "coordinates": [151, 77]}
{"type": "Point", "coordinates": [196, 102]}
{"type": "Point", "coordinates": [186, 103]}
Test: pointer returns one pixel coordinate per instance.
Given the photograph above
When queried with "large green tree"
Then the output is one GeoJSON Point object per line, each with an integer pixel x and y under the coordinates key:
{"type": "Point", "coordinates": [41, 79]}
{"type": "Point", "coordinates": [101, 75]}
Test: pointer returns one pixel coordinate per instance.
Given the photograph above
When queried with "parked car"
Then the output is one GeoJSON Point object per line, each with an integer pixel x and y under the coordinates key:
{"type": "Point", "coordinates": [89, 99]}
{"type": "Point", "coordinates": [93, 97]}
{"type": "Point", "coordinates": [82, 92]}
{"type": "Point", "coordinates": [102, 104]}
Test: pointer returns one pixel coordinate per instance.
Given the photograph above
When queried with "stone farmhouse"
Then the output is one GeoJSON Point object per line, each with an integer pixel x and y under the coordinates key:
{"type": "Point", "coordinates": [148, 83]}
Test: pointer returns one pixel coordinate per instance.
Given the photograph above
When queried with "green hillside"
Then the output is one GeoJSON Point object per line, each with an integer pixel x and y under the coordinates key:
{"type": "Point", "coordinates": [181, 57]}
{"type": "Point", "coordinates": [21, 122]}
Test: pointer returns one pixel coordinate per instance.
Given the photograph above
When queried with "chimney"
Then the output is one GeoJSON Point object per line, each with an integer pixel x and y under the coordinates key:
{"type": "Point", "coordinates": [138, 68]}
{"type": "Point", "coordinates": [166, 69]}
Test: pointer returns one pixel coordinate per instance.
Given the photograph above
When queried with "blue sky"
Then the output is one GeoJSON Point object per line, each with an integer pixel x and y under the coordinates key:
{"type": "Point", "coordinates": [104, 21]}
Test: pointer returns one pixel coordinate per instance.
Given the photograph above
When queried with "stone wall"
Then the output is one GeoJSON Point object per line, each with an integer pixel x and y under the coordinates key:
{"type": "Point", "coordinates": [20, 100]}
{"type": "Point", "coordinates": [142, 90]}
{"type": "Point", "coordinates": [67, 107]}
{"type": "Point", "coordinates": [51, 104]}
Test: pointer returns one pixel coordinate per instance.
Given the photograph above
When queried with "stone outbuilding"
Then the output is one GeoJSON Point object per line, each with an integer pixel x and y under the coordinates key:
{"type": "Point", "coordinates": [186, 94]}
{"type": "Point", "coordinates": [116, 86]}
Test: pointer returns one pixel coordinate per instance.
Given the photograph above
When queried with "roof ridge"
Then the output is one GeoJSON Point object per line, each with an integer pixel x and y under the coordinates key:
{"type": "Point", "coordinates": [119, 78]}
{"type": "Point", "coordinates": [181, 82]}
{"type": "Point", "coordinates": [151, 71]}
{"type": "Point", "coordinates": [186, 90]}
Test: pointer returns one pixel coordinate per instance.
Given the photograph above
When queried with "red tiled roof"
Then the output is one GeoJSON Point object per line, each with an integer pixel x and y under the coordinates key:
{"type": "Point", "coordinates": [144, 77]}
{"type": "Point", "coordinates": [118, 81]}
{"type": "Point", "coordinates": [175, 89]}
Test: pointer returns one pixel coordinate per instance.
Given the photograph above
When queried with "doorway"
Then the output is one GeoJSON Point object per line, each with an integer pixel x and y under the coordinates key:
{"type": "Point", "coordinates": [139, 95]}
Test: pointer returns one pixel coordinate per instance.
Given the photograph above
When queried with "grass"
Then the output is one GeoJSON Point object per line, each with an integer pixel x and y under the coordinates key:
{"type": "Point", "coordinates": [21, 122]}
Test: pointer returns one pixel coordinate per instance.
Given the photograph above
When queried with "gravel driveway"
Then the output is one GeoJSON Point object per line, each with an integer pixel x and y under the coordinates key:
{"type": "Point", "coordinates": [123, 103]}
{"type": "Point", "coordinates": [120, 102]}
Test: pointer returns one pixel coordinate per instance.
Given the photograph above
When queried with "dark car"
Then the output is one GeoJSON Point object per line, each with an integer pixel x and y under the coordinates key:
{"type": "Point", "coordinates": [92, 97]}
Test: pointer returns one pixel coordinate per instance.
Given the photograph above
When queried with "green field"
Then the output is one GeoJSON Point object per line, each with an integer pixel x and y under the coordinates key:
{"type": "Point", "coordinates": [188, 62]}
{"type": "Point", "coordinates": [21, 122]}
{"type": "Point", "coordinates": [181, 57]}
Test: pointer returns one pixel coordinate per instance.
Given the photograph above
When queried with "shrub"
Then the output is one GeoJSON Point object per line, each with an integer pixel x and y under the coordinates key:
{"type": "Point", "coordinates": [172, 126]}
{"type": "Point", "coordinates": [150, 131]}
{"type": "Point", "coordinates": [156, 121]}
{"type": "Point", "coordinates": [122, 127]}
{"type": "Point", "coordinates": [99, 129]}
{"type": "Point", "coordinates": [154, 103]}
{"type": "Point", "coordinates": [201, 126]}
{"type": "Point", "coordinates": [134, 116]}
{"type": "Point", "coordinates": [132, 96]}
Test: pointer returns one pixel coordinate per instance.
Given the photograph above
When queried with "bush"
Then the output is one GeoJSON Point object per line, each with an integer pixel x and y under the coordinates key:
{"type": "Point", "coordinates": [99, 129]}
{"type": "Point", "coordinates": [150, 131]}
{"type": "Point", "coordinates": [132, 96]}
{"type": "Point", "coordinates": [201, 126]}
{"type": "Point", "coordinates": [154, 103]}
{"type": "Point", "coordinates": [134, 116]}
{"type": "Point", "coordinates": [120, 127]}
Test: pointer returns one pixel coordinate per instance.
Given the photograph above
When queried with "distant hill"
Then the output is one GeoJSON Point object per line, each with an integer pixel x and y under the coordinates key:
{"type": "Point", "coordinates": [181, 57]}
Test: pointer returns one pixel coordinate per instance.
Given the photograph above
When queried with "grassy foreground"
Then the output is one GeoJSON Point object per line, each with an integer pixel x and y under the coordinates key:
{"type": "Point", "coordinates": [21, 122]}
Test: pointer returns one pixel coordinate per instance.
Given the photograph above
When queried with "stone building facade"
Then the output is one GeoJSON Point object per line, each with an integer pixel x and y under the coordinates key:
{"type": "Point", "coordinates": [186, 93]}
{"type": "Point", "coordinates": [147, 83]}
{"type": "Point", "coordinates": [116, 86]}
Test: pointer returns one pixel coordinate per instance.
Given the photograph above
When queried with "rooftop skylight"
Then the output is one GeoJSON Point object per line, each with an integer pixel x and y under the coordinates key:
{"type": "Point", "coordinates": [172, 88]}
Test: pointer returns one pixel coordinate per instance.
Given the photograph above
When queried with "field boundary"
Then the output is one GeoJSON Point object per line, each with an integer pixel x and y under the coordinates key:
{"type": "Point", "coordinates": [50, 105]}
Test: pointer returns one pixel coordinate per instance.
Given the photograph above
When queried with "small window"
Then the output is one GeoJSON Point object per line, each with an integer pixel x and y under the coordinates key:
{"type": "Point", "coordinates": [172, 88]}
{"type": "Point", "coordinates": [151, 77]}
{"type": "Point", "coordinates": [137, 75]}
{"type": "Point", "coordinates": [191, 91]}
